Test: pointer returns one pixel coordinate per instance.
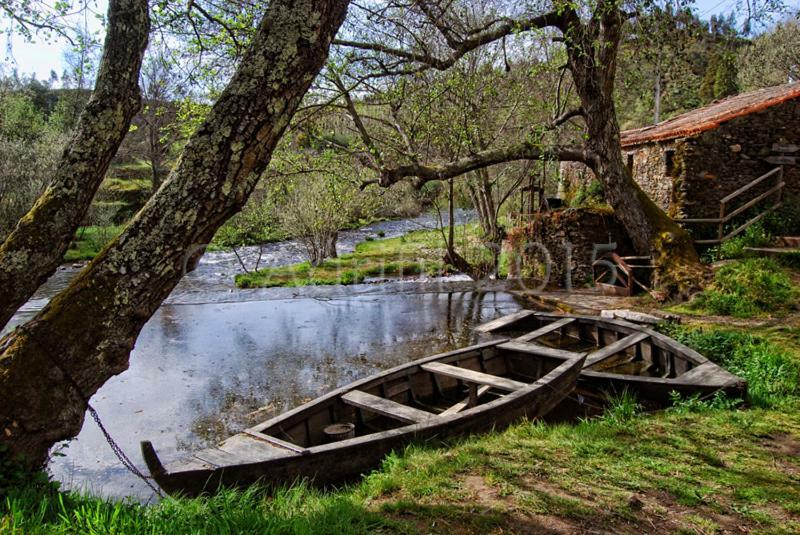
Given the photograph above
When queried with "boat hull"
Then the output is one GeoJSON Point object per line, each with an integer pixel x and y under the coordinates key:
{"type": "Point", "coordinates": [334, 463]}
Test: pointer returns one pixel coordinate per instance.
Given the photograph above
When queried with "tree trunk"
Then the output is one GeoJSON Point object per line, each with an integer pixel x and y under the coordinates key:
{"type": "Point", "coordinates": [592, 61]}
{"type": "Point", "coordinates": [34, 250]}
{"type": "Point", "coordinates": [52, 364]}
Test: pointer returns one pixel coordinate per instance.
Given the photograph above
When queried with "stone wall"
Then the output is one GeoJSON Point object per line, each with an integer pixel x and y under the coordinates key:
{"type": "Point", "coordinates": [582, 230]}
{"type": "Point", "coordinates": [720, 161]}
{"type": "Point", "coordinates": [656, 171]}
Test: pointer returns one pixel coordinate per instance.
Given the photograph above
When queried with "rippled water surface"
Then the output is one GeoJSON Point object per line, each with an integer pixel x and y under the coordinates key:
{"type": "Point", "coordinates": [215, 359]}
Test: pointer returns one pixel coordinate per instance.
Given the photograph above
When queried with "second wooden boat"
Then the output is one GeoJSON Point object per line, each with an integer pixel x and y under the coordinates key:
{"type": "Point", "coordinates": [620, 355]}
{"type": "Point", "coordinates": [348, 432]}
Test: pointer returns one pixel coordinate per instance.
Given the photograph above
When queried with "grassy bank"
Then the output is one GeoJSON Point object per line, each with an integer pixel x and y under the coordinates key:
{"type": "Point", "coordinates": [749, 288]}
{"type": "Point", "coordinates": [412, 254]}
{"type": "Point", "coordinates": [89, 241]}
{"type": "Point", "coordinates": [701, 467]}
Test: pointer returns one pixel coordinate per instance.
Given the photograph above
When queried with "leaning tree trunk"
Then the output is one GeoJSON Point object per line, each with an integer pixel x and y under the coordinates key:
{"type": "Point", "coordinates": [592, 56]}
{"type": "Point", "coordinates": [52, 364]}
{"type": "Point", "coordinates": [33, 251]}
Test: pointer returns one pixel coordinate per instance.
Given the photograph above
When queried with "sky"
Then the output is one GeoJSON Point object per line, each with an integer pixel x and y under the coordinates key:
{"type": "Point", "coordinates": [41, 57]}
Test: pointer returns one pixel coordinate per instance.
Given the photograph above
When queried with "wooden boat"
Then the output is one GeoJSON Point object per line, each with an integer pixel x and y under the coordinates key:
{"type": "Point", "coordinates": [620, 355]}
{"type": "Point", "coordinates": [347, 432]}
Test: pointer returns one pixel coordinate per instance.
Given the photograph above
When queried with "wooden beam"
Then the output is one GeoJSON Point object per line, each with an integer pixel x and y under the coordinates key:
{"type": "Point", "coordinates": [386, 407]}
{"type": "Point", "coordinates": [751, 185]}
{"type": "Point", "coordinates": [545, 330]}
{"type": "Point", "coordinates": [539, 350]}
{"type": "Point", "coordinates": [471, 376]}
{"type": "Point", "coordinates": [755, 201]}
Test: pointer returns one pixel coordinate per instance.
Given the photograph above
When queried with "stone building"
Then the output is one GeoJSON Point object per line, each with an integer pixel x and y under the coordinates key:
{"type": "Point", "coordinates": [690, 162]}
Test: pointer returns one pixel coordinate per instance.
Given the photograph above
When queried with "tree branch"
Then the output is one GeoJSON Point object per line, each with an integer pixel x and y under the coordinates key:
{"type": "Point", "coordinates": [479, 160]}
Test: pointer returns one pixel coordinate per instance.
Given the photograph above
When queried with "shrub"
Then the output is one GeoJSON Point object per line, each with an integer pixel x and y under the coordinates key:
{"type": "Point", "coordinates": [747, 288]}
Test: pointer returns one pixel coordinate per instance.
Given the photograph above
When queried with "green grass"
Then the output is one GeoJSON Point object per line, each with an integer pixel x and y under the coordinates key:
{"type": "Point", "coordinates": [772, 370]}
{"type": "Point", "coordinates": [701, 467]}
{"type": "Point", "coordinates": [415, 253]}
{"type": "Point", "coordinates": [89, 241]}
{"type": "Point", "coordinates": [747, 288]}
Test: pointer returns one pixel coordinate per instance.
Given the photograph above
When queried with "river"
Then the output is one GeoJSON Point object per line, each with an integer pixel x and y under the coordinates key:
{"type": "Point", "coordinates": [215, 359]}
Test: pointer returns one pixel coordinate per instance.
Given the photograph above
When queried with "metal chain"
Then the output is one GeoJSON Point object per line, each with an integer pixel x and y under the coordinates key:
{"type": "Point", "coordinates": [126, 462]}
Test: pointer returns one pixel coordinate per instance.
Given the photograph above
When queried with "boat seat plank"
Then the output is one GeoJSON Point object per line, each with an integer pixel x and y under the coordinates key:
{"type": "Point", "coordinates": [612, 349]}
{"type": "Point", "coordinates": [472, 376]}
{"type": "Point", "coordinates": [504, 321]}
{"type": "Point", "coordinates": [540, 350]}
{"type": "Point", "coordinates": [545, 330]}
{"type": "Point", "coordinates": [461, 405]}
{"type": "Point", "coordinates": [386, 407]}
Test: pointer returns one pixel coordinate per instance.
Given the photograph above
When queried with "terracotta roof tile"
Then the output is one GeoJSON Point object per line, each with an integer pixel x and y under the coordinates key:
{"type": "Point", "coordinates": [711, 116]}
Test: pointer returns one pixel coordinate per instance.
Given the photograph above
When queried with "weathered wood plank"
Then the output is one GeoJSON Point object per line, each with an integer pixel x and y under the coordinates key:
{"type": "Point", "coordinates": [504, 321]}
{"type": "Point", "coordinates": [708, 374]}
{"type": "Point", "coordinates": [217, 457]}
{"type": "Point", "coordinates": [545, 330]}
{"type": "Point", "coordinates": [275, 441]}
{"type": "Point", "coordinates": [386, 407]}
{"type": "Point", "coordinates": [539, 350]}
{"type": "Point", "coordinates": [461, 405]}
{"type": "Point", "coordinates": [249, 449]}
{"type": "Point", "coordinates": [501, 383]}
{"type": "Point", "coordinates": [614, 348]}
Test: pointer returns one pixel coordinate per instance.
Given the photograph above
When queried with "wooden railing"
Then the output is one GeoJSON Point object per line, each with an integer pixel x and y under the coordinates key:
{"type": "Point", "coordinates": [725, 203]}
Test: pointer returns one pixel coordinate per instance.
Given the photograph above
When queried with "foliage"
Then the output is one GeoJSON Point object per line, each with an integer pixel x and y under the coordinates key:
{"type": "Point", "coordinates": [773, 57]}
{"type": "Point", "coordinates": [590, 194]}
{"type": "Point", "coordinates": [748, 288]}
{"type": "Point", "coordinates": [320, 194]}
{"type": "Point", "coordinates": [694, 404]}
{"type": "Point", "coordinates": [754, 236]}
{"type": "Point", "coordinates": [28, 165]}
{"type": "Point", "coordinates": [772, 372]}
{"type": "Point", "coordinates": [719, 80]}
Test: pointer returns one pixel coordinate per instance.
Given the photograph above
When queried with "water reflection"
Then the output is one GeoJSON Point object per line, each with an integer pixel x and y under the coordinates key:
{"type": "Point", "coordinates": [201, 372]}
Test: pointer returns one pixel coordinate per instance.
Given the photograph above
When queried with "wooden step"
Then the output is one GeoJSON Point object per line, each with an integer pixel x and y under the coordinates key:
{"type": "Point", "coordinates": [612, 349]}
{"type": "Point", "coordinates": [472, 376]}
{"type": "Point", "coordinates": [386, 407]}
{"type": "Point", "coordinates": [547, 329]}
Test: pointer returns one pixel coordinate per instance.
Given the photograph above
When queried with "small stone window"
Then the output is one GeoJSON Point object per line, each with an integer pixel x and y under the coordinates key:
{"type": "Point", "coordinates": [669, 161]}
{"type": "Point", "coordinates": [630, 162]}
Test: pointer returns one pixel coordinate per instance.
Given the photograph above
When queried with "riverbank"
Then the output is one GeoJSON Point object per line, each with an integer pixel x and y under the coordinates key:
{"type": "Point", "coordinates": [415, 253]}
{"type": "Point", "coordinates": [701, 467]}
